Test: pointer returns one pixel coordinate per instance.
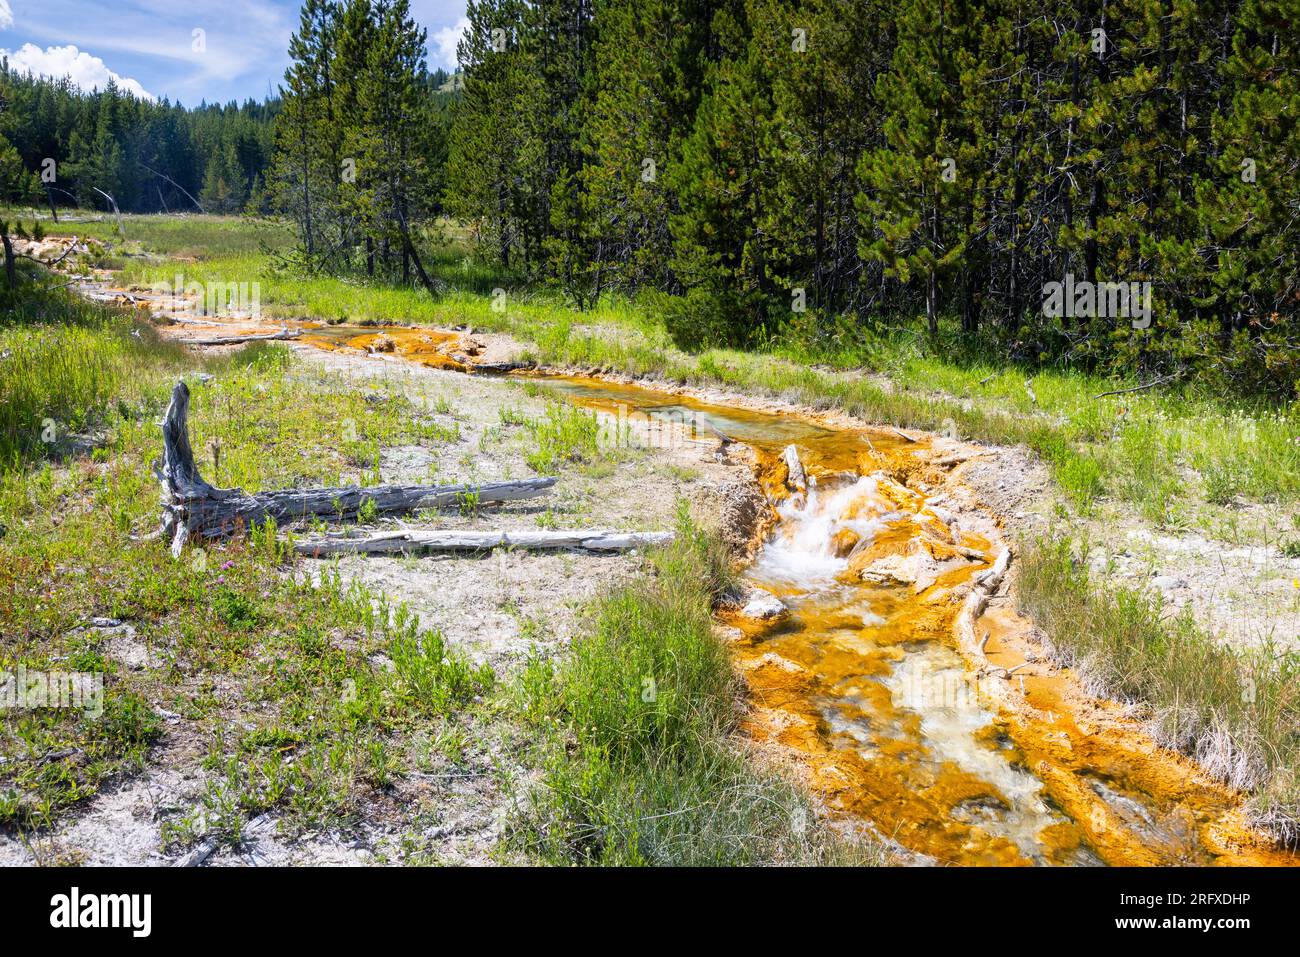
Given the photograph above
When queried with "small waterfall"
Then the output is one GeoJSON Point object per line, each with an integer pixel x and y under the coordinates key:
{"type": "Point", "coordinates": [800, 556]}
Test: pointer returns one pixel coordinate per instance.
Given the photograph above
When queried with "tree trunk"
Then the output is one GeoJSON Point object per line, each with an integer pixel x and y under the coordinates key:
{"type": "Point", "coordinates": [408, 248]}
{"type": "Point", "coordinates": [11, 272]}
{"type": "Point", "coordinates": [192, 507]}
{"type": "Point", "coordinates": [932, 302]}
{"type": "Point", "coordinates": [121, 229]}
{"type": "Point", "coordinates": [306, 189]}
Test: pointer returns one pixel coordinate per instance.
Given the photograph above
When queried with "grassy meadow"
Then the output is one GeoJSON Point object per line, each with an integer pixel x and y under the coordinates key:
{"type": "Point", "coordinates": [269, 677]}
{"type": "Point", "coordinates": [1180, 456]}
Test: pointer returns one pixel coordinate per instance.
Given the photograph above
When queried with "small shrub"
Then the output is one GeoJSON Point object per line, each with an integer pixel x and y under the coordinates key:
{"type": "Point", "coordinates": [431, 676]}
{"type": "Point", "coordinates": [565, 434]}
{"type": "Point", "coordinates": [236, 611]}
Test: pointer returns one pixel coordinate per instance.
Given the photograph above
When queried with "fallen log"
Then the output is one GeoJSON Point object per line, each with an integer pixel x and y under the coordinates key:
{"type": "Point", "coordinates": [1161, 380]}
{"type": "Point", "coordinates": [194, 508]}
{"type": "Point", "coordinates": [168, 319]}
{"type": "Point", "coordinates": [983, 586]}
{"type": "Point", "coordinates": [408, 541]}
{"type": "Point", "coordinates": [493, 367]}
{"type": "Point", "coordinates": [284, 333]}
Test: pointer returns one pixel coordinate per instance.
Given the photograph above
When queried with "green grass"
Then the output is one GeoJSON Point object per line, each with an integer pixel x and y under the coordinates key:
{"type": "Point", "coordinates": [1236, 711]}
{"type": "Point", "coordinates": [231, 633]}
{"type": "Point", "coordinates": [655, 777]}
{"type": "Point", "coordinates": [63, 363]}
{"type": "Point", "coordinates": [188, 236]}
{"type": "Point", "coordinates": [564, 436]}
{"type": "Point", "coordinates": [636, 757]}
{"type": "Point", "coordinates": [1161, 450]}
{"type": "Point", "coordinates": [640, 763]}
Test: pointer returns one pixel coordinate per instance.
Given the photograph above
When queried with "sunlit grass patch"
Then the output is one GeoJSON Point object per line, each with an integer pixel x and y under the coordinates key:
{"type": "Point", "coordinates": [184, 236]}
{"type": "Point", "coordinates": [224, 627]}
{"type": "Point", "coordinates": [1236, 710]}
{"type": "Point", "coordinates": [565, 435]}
{"type": "Point", "coordinates": [641, 766]}
{"type": "Point", "coordinates": [1149, 448]}
{"type": "Point", "coordinates": [65, 365]}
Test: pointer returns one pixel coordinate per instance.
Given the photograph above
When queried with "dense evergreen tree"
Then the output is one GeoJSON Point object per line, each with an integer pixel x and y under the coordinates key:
{"type": "Point", "coordinates": [490, 138]}
{"type": "Point", "coordinates": [151, 157]}
{"type": "Point", "coordinates": [360, 138]}
{"type": "Point", "coordinates": [794, 163]}
{"type": "Point", "coordinates": [775, 165]}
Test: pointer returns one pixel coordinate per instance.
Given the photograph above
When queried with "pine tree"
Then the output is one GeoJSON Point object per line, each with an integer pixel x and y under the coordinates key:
{"type": "Point", "coordinates": [649, 63]}
{"type": "Point", "coordinates": [391, 189]}
{"type": "Point", "coordinates": [1249, 239]}
{"type": "Point", "coordinates": [921, 186]}
{"type": "Point", "coordinates": [491, 140]}
{"type": "Point", "coordinates": [822, 70]}
{"type": "Point", "coordinates": [299, 175]}
{"type": "Point", "coordinates": [17, 183]}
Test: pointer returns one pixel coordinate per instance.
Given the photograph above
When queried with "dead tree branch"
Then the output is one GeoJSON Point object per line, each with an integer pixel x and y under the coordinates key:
{"type": "Point", "coordinates": [194, 508]}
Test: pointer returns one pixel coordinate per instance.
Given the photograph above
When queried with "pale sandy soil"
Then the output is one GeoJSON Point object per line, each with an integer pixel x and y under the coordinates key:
{"type": "Point", "coordinates": [498, 609]}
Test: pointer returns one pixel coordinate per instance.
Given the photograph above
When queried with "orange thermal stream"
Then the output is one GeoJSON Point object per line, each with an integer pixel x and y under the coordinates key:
{"type": "Point", "coordinates": [863, 683]}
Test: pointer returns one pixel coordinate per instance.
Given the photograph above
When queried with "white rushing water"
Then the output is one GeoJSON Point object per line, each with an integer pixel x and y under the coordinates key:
{"type": "Point", "coordinates": [929, 679]}
{"type": "Point", "coordinates": [800, 556]}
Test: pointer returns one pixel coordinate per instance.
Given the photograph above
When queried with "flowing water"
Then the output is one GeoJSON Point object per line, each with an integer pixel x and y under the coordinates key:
{"type": "Point", "coordinates": [862, 679]}
{"type": "Point", "coordinates": [864, 682]}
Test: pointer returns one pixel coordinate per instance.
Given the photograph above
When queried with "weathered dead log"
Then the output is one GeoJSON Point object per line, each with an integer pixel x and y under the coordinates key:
{"type": "Point", "coordinates": [1160, 380]}
{"type": "Point", "coordinates": [194, 508]}
{"type": "Point", "coordinates": [983, 586]}
{"type": "Point", "coordinates": [409, 541]}
{"type": "Point", "coordinates": [492, 367]}
{"type": "Point", "coordinates": [284, 333]}
{"type": "Point", "coordinates": [167, 319]}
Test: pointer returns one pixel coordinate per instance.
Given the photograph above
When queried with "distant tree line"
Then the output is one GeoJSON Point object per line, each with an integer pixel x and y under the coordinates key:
{"type": "Point", "coordinates": [773, 166]}
{"type": "Point", "coordinates": [60, 144]}
{"type": "Point", "coordinates": [816, 164]}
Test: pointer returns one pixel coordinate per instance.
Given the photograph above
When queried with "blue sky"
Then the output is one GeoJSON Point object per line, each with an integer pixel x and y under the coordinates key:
{"type": "Point", "coordinates": [151, 46]}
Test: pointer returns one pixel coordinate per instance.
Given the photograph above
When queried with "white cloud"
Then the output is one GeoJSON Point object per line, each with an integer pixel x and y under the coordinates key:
{"type": "Point", "coordinates": [6, 15]}
{"type": "Point", "coordinates": [442, 43]}
{"type": "Point", "coordinates": [87, 72]}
